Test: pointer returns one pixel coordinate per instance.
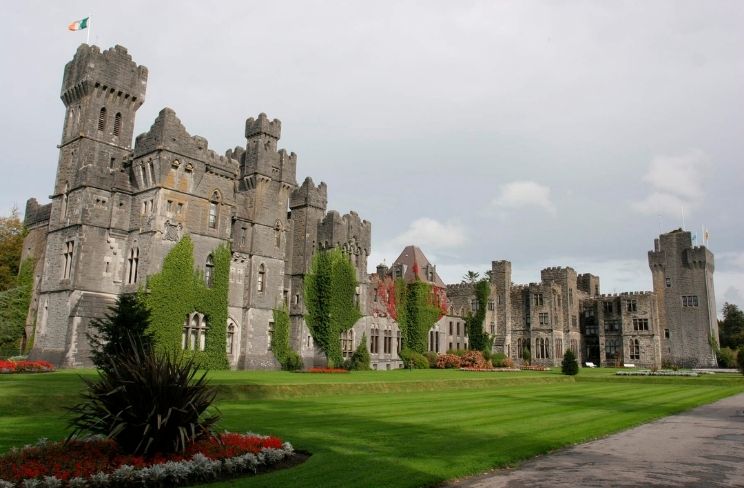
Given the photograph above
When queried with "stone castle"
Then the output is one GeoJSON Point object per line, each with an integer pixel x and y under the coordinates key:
{"type": "Point", "coordinates": [117, 210]}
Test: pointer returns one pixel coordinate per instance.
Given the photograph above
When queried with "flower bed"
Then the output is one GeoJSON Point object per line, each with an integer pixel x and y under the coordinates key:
{"type": "Point", "coordinates": [97, 463]}
{"type": "Point", "coordinates": [7, 367]}
{"type": "Point", "coordinates": [491, 370]}
{"type": "Point", "coordinates": [325, 370]}
{"type": "Point", "coordinates": [534, 368]}
{"type": "Point", "coordinates": [647, 372]}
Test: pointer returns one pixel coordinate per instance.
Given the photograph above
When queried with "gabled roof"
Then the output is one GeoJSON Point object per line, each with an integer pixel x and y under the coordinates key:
{"type": "Point", "coordinates": [415, 264]}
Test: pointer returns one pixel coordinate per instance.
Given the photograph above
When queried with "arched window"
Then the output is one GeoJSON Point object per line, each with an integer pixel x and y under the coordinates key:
{"type": "Point", "coordinates": [133, 264]}
{"type": "Point", "coordinates": [102, 119]}
{"type": "Point", "coordinates": [231, 330]}
{"type": "Point", "coordinates": [150, 173]}
{"type": "Point", "coordinates": [209, 271]}
{"type": "Point", "coordinates": [635, 349]}
{"type": "Point", "coordinates": [214, 210]}
{"type": "Point", "coordinates": [194, 336]}
{"type": "Point", "coordinates": [117, 123]}
{"type": "Point", "coordinates": [261, 283]}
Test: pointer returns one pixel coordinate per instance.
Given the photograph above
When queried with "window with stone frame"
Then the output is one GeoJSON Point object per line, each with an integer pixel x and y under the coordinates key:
{"type": "Point", "coordinates": [387, 344]}
{"type": "Point", "coordinates": [544, 319]}
{"type": "Point", "coordinates": [611, 348]}
{"type": "Point", "coordinates": [631, 306]}
{"type": "Point", "coordinates": [640, 324]}
{"type": "Point", "coordinates": [491, 305]}
{"type": "Point", "coordinates": [690, 301]}
{"type": "Point", "coordinates": [611, 325]}
{"type": "Point", "coordinates": [347, 343]}
{"type": "Point", "coordinates": [194, 335]}
{"type": "Point", "coordinates": [133, 265]}
{"type": "Point", "coordinates": [230, 338]}
{"type": "Point", "coordinates": [608, 307]}
{"type": "Point", "coordinates": [374, 338]}
{"type": "Point", "coordinates": [635, 349]}
{"type": "Point", "coordinates": [269, 335]}
{"type": "Point", "coordinates": [209, 272]}
{"type": "Point", "coordinates": [558, 348]}
{"type": "Point", "coordinates": [261, 282]}
{"type": "Point", "coordinates": [214, 210]}
{"type": "Point", "coordinates": [538, 299]}
{"type": "Point", "coordinates": [398, 342]}
{"type": "Point", "coordinates": [117, 124]}
{"type": "Point", "coordinates": [68, 256]}
{"type": "Point", "coordinates": [102, 119]}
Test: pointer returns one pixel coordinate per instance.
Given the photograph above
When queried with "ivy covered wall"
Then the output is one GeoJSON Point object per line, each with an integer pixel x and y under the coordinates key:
{"type": "Point", "coordinates": [330, 291]}
{"type": "Point", "coordinates": [178, 290]}
{"type": "Point", "coordinates": [417, 311]}
{"type": "Point", "coordinates": [477, 336]}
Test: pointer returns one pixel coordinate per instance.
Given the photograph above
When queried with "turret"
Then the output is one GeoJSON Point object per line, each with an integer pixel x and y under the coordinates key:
{"type": "Point", "coordinates": [261, 158]}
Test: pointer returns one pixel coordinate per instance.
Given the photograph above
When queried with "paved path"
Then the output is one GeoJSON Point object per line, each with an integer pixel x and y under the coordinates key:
{"type": "Point", "coordinates": [701, 448]}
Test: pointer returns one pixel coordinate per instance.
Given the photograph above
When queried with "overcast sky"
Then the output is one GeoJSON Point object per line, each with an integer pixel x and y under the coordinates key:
{"type": "Point", "coordinates": [546, 133]}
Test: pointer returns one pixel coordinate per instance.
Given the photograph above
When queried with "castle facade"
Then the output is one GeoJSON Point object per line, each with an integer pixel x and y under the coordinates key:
{"type": "Point", "coordinates": [117, 210]}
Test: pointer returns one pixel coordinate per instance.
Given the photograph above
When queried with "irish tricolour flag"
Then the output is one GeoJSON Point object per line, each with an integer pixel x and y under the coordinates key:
{"type": "Point", "coordinates": [79, 24]}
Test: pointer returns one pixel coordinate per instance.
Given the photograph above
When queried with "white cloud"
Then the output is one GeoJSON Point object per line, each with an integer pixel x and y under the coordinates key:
{"type": "Point", "coordinates": [428, 233]}
{"type": "Point", "coordinates": [520, 194]}
{"type": "Point", "coordinates": [676, 182]}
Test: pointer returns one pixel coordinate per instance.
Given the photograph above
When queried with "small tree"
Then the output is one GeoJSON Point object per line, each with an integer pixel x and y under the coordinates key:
{"type": "Point", "coordinates": [526, 356]}
{"type": "Point", "coordinates": [360, 360]}
{"type": "Point", "coordinates": [129, 317]}
{"type": "Point", "coordinates": [569, 365]}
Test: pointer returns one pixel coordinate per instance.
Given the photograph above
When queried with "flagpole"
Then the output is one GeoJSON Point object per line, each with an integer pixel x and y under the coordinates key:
{"type": "Point", "coordinates": [90, 27]}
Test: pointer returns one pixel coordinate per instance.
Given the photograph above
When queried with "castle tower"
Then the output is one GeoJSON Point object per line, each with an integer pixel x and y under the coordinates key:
{"type": "Point", "coordinates": [307, 206]}
{"type": "Point", "coordinates": [501, 284]}
{"type": "Point", "coordinates": [101, 92]}
{"type": "Point", "coordinates": [683, 282]}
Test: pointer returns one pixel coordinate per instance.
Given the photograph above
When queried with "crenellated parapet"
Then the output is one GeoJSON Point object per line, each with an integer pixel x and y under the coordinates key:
{"type": "Point", "coordinates": [458, 290]}
{"type": "Point", "coordinates": [262, 126]}
{"type": "Point", "coordinates": [699, 257]}
{"type": "Point", "coordinates": [111, 72]}
{"type": "Point", "coordinates": [309, 195]}
{"type": "Point", "coordinates": [169, 134]}
{"type": "Point", "coordinates": [347, 232]}
{"type": "Point", "coordinates": [36, 214]}
{"type": "Point", "coordinates": [262, 158]}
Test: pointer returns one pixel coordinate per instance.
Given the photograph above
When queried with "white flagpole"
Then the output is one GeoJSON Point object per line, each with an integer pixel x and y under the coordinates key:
{"type": "Point", "coordinates": [88, 29]}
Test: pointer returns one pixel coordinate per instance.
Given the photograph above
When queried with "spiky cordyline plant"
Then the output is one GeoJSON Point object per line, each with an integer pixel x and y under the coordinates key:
{"type": "Point", "coordinates": [147, 402]}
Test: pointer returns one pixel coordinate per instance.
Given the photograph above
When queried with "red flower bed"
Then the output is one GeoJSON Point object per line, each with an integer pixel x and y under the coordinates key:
{"type": "Point", "coordinates": [25, 366]}
{"type": "Point", "coordinates": [327, 370]}
{"type": "Point", "coordinates": [86, 458]}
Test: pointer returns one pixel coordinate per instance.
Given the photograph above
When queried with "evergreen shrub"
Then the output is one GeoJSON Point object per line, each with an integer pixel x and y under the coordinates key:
{"type": "Point", "coordinates": [569, 365]}
{"type": "Point", "coordinates": [432, 357]}
{"type": "Point", "coordinates": [360, 360]}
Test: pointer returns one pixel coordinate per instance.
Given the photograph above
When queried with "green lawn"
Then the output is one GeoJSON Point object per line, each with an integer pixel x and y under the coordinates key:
{"type": "Point", "coordinates": [398, 428]}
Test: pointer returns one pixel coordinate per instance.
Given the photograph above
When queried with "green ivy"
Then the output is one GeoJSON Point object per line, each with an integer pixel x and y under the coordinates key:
{"type": "Point", "coordinates": [14, 304]}
{"type": "Point", "coordinates": [330, 290]}
{"type": "Point", "coordinates": [417, 313]}
{"type": "Point", "coordinates": [280, 337]}
{"type": "Point", "coordinates": [178, 290]}
{"type": "Point", "coordinates": [478, 337]}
